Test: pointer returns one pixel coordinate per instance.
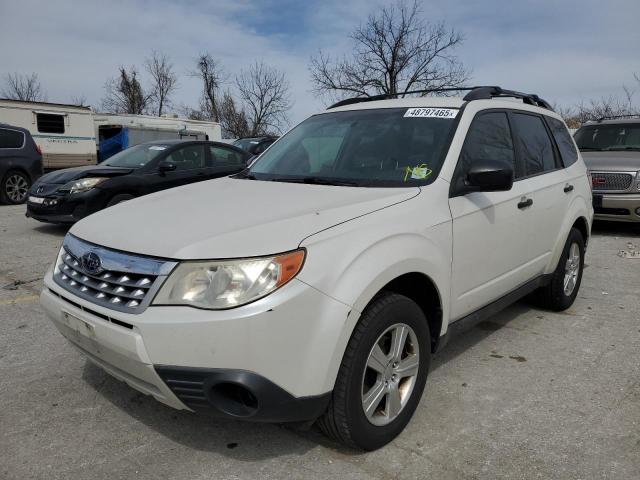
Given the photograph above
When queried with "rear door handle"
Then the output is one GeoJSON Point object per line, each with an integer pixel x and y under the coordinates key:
{"type": "Point", "coordinates": [525, 203]}
{"type": "Point", "coordinates": [568, 188]}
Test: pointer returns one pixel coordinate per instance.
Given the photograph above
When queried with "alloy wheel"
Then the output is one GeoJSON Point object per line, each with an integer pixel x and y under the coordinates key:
{"type": "Point", "coordinates": [572, 269]}
{"type": "Point", "coordinates": [16, 188]}
{"type": "Point", "coordinates": [390, 374]}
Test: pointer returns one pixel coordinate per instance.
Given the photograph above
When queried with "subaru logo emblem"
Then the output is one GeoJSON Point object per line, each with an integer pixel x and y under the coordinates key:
{"type": "Point", "coordinates": [91, 263]}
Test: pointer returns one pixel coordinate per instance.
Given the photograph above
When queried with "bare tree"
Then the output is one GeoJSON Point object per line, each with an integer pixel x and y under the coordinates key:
{"type": "Point", "coordinates": [125, 94]}
{"type": "Point", "coordinates": [165, 80]}
{"type": "Point", "coordinates": [232, 119]}
{"type": "Point", "coordinates": [212, 76]}
{"type": "Point", "coordinates": [265, 94]}
{"type": "Point", "coordinates": [23, 87]}
{"type": "Point", "coordinates": [394, 52]}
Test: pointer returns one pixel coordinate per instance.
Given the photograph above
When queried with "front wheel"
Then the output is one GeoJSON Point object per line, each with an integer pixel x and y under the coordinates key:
{"type": "Point", "coordinates": [382, 375]}
{"type": "Point", "coordinates": [14, 188]}
{"type": "Point", "coordinates": [561, 292]}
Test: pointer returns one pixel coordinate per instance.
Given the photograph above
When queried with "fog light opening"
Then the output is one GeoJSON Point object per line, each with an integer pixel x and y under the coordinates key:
{"type": "Point", "coordinates": [234, 399]}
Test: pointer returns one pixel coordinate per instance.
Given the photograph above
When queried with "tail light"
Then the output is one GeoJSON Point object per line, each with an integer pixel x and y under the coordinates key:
{"type": "Point", "coordinates": [38, 149]}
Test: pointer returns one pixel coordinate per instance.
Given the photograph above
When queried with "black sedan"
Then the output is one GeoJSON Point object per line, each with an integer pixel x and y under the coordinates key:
{"type": "Point", "coordinates": [254, 145]}
{"type": "Point", "coordinates": [66, 196]}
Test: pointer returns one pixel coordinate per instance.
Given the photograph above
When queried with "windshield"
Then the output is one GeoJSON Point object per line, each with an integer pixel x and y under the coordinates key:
{"type": "Point", "coordinates": [135, 157]}
{"type": "Point", "coordinates": [391, 147]}
{"type": "Point", "coordinates": [613, 136]}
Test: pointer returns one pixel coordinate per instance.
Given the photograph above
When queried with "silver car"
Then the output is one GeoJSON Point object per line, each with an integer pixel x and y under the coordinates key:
{"type": "Point", "coordinates": [611, 149]}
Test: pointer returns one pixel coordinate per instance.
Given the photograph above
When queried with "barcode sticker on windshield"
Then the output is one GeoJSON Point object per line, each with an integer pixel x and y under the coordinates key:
{"type": "Point", "coordinates": [431, 112]}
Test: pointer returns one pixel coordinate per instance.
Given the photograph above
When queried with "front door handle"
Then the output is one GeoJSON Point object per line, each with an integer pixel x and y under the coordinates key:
{"type": "Point", "coordinates": [568, 188]}
{"type": "Point", "coordinates": [525, 203]}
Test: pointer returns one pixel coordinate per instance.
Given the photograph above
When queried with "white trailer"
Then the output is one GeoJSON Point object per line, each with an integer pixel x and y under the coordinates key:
{"type": "Point", "coordinates": [115, 132]}
{"type": "Point", "coordinates": [64, 133]}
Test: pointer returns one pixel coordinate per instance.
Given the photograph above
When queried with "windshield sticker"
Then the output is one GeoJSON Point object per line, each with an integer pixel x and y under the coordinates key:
{"type": "Point", "coordinates": [419, 172]}
{"type": "Point", "coordinates": [431, 112]}
{"type": "Point", "coordinates": [157, 147]}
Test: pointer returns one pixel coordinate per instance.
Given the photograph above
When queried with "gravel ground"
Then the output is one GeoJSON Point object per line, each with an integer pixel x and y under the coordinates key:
{"type": "Point", "coordinates": [529, 394]}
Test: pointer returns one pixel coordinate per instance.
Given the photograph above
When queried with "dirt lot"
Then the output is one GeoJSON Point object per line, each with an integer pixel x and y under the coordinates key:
{"type": "Point", "coordinates": [529, 394]}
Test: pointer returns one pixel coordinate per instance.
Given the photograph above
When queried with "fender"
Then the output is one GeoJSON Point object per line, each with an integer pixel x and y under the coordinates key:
{"type": "Point", "coordinates": [379, 262]}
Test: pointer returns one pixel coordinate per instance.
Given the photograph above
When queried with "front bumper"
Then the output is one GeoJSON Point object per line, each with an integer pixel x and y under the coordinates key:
{"type": "Point", "coordinates": [272, 360]}
{"type": "Point", "coordinates": [620, 207]}
{"type": "Point", "coordinates": [65, 207]}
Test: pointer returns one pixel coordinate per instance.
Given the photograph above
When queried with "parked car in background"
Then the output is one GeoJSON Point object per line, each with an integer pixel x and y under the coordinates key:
{"type": "Point", "coordinates": [318, 283]}
{"type": "Point", "coordinates": [20, 163]}
{"type": "Point", "coordinates": [64, 133]}
{"type": "Point", "coordinates": [611, 150]}
{"type": "Point", "coordinates": [117, 132]}
{"type": "Point", "coordinates": [66, 196]}
{"type": "Point", "coordinates": [255, 145]}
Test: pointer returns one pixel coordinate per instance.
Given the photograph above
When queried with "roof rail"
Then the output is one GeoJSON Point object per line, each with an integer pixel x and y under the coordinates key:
{"type": "Point", "coordinates": [475, 93]}
{"type": "Point", "coordinates": [613, 117]}
{"type": "Point", "coordinates": [485, 93]}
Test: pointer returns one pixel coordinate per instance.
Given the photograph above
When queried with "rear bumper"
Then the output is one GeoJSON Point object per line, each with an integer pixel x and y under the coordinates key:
{"type": "Point", "coordinates": [619, 207]}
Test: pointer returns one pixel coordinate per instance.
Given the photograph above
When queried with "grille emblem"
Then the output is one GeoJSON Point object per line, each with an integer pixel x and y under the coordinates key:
{"type": "Point", "coordinates": [91, 263]}
{"type": "Point", "coordinates": [40, 189]}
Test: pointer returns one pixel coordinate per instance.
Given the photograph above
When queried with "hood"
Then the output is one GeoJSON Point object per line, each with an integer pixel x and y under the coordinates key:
{"type": "Point", "coordinates": [60, 177]}
{"type": "Point", "coordinates": [230, 218]}
{"type": "Point", "coordinates": [618, 161]}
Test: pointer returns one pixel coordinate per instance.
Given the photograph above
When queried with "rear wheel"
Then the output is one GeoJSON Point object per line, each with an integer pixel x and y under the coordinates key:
{"type": "Point", "coordinates": [382, 374]}
{"type": "Point", "coordinates": [123, 197]}
{"type": "Point", "coordinates": [15, 187]}
{"type": "Point", "coordinates": [561, 292]}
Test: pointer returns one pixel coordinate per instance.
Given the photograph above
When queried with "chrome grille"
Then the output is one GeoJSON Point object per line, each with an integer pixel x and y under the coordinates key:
{"type": "Point", "coordinates": [611, 181]}
{"type": "Point", "coordinates": [116, 280]}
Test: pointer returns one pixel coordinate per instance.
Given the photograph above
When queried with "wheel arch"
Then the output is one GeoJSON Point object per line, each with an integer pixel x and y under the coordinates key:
{"type": "Point", "coordinates": [420, 288]}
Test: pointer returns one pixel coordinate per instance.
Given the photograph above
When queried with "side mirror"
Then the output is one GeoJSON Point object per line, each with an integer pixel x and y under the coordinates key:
{"type": "Point", "coordinates": [164, 167]}
{"type": "Point", "coordinates": [490, 176]}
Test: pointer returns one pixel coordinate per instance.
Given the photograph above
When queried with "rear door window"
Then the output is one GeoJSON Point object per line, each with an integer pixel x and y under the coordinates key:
{"type": "Point", "coordinates": [50, 123]}
{"type": "Point", "coordinates": [190, 157]}
{"type": "Point", "coordinates": [224, 157]}
{"type": "Point", "coordinates": [564, 141]}
{"type": "Point", "coordinates": [533, 143]}
{"type": "Point", "coordinates": [11, 138]}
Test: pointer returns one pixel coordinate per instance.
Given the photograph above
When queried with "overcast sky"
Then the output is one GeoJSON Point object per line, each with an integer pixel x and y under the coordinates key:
{"type": "Point", "coordinates": [566, 51]}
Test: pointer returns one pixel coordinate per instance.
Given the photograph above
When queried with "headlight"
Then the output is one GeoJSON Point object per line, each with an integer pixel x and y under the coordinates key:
{"type": "Point", "coordinates": [84, 184]}
{"type": "Point", "coordinates": [228, 283]}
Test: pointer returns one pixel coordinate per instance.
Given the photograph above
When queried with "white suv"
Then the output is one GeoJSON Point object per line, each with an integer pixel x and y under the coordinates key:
{"type": "Point", "coordinates": [318, 283]}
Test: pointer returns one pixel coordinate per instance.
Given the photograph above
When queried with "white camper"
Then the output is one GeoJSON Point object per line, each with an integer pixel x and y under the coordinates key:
{"type": "Point", "coordinates": [115, 132]}
{"type": "Point", "coordinates": [64, 133]}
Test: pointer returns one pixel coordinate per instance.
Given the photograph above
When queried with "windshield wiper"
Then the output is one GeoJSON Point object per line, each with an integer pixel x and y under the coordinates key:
{"type": "Point", "coordinates": [617, 149]}
{"type": "Point", "coordinates": [319, 181]}
{"type": "Point", "coordinates": [244, 174]}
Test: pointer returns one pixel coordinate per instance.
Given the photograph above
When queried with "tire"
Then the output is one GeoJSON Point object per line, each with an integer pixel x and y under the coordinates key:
{"type": "Point", "coordinates": [122, 197]}
{"type": "Point", "coordinates": [14, 188]}
{"type": "Point", "coordinates": [383, 320]}
{"type": "Point", "coordinates": [555, 296]}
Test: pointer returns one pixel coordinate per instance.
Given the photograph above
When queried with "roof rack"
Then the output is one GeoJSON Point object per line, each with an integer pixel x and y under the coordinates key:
{"type": "Point", "coordinates": [614, 117]}
{"type": "Point", "coordinates": [475, 93]}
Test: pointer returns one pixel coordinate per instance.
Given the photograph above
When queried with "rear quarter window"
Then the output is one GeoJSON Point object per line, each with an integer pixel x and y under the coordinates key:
{"type": "Point", "coordinates": [563, 139]}
{"type": "Point", "coordinates": [11, 138]}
